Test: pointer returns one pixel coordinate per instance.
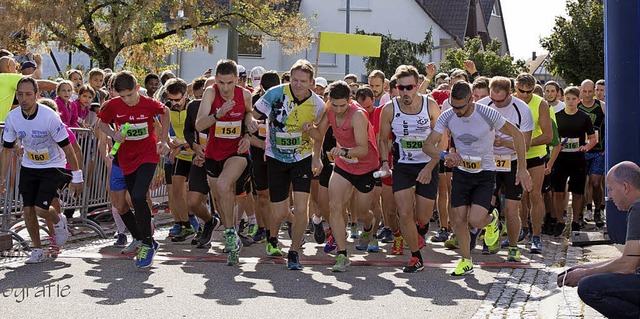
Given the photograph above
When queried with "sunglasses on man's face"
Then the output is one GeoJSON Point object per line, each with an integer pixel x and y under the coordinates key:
{"type": "Point", "coordinates": [459, 107]}
{"type": "Point", "coordinates": [524, 92]}
{"type": "Point", "coordinates": [175, 100]}
{"type": "Point", "coordinates": [406, 87]}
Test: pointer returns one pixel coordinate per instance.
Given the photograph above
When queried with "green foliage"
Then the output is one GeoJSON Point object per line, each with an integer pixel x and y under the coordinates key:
{"type": "Point", "coordinates": [395, 52]}
{"type": "Point", "coordinates": [488, 60]}
{"type": "Point", "coordinates": [576, 46]}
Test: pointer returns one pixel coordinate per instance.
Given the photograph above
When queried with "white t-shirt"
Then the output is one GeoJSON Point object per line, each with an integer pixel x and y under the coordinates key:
{"type": "Point", "coordinates": [519, 114]}
{"type": "Point", "coordinates": [39, 136]}
{"type": "Point", "coordinates": [473, 136]}
{"type": "Point", "coordinates": [558, 107]}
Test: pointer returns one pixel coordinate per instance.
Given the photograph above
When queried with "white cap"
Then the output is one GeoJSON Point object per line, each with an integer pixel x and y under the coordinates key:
{"type": "Point", "coordinates": [242, 72]}
{"type": "Point", "coordinates": [321, 81]}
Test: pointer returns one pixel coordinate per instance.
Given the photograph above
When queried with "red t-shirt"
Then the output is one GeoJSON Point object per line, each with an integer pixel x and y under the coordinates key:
{"type": "Point", "coordinates": [140, 146]}
{"type": "Point", "coordinates": [345, 138]}
{"type": "Point", "coordinates": [440, 95]}
{"type": "Point", "coordinates": [225, 133]}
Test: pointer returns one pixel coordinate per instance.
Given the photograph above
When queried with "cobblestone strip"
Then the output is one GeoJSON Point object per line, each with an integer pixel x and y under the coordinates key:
{"type": "Point", "coordinates": [517, 293]}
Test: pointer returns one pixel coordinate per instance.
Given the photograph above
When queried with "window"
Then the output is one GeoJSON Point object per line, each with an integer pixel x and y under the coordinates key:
{"type": "Point", "coordinates": [249, 46]}
{"type": "Point", "coordinates": [326, 59]}
{"type": "Point", "coordinates": [495, 11]}
{"type": "Point", "coordinates": [355, 5]}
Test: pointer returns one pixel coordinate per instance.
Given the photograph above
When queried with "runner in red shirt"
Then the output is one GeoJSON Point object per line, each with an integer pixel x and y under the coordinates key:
{"type": "Point", "coordinates": [356, 158]}
{"type": "Point", "coordinates": [222, 111]}
{"type": "Point", "coordinates": [138, 153]}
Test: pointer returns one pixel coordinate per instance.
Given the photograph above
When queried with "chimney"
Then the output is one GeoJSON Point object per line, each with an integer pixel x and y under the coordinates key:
{"type": "Point", "coordinates": [533, 56]}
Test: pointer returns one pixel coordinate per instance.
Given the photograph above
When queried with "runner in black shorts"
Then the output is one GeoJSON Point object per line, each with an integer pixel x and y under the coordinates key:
{"type": "Point", "coordinates": [198, 185]}
{"type": "Point", "coordinates": [259, 165]}
{"type": "Point", "coordinates": [46, 145]}
{"type": "Point", "coordinates": [472, 126]}
{"type": "Point", "coordinates": [568, 160]}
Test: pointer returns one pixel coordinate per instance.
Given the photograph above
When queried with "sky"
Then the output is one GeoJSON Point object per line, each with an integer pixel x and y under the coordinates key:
{"type": "Point", "coordinates": [526, 21]}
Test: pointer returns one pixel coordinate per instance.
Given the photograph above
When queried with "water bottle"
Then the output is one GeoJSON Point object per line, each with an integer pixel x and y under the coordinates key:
{"type": "Point", "coordinates": [380, 174]}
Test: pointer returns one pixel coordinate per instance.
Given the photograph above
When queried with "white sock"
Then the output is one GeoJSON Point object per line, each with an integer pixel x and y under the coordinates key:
{"type": "Point", "coordinates": [253, 220]}
{"type": "Point", "coordinates": [119, 223]}
{"type": "Point", "coordinates": [317, 220]}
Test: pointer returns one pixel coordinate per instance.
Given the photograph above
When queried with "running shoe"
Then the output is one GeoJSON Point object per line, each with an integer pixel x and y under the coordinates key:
{"type": "Point", "coordinates": [145, 256]}
{"type": "Point", "coordinates": [441, 236]}
{"type": "Point", "coordinates": [474, 240]}
{"type": "Point", "coordinates": [451, 243]}
{"type": "Point", "coordinates": [293, 261]}
{"type": "Point", "coordinates": [514, 254]}
{"type": "Point", "coordinates": [207, 233]}
{"type": "Point", "coordinates": [260, 236]}
{"type": "Point", "coordinates": [184, 234]}
{"type": "Point", "coordinates": [331, 245]}
{"type": "Point", "coordinates": [230, 240]}
{"type": "Point", "coordinates": [233, 258]}
{"type": "Point", "coordinates": [133, 247]}
{"type": "Point", "coordinates": [386, 235]}
{"type": "Point", "coordinates": [318, 233]}
{"type": "Point", "coordinates": [492, 231]}
{"type": "Point", "coordinates": [363, 241]}
{"type": "Point", "coordinates": [398, 245]}
{"type": "Point", "coordinates": [272, 250]}
{"type": "Point", "coordinates": [193, 220]}
{"type": "Point", "coordinates": [373, 246]}
{"type": "Point", "coordinates": [121, 242]}
{"type": "Point", "coordinates": [598, 219]}
{"type": "Point", "coordinates": [355, 232]}
{"type": "Point", "coordinates": [36, 257]}
{"type": "Point", "coordinates": [61, 231]}
{"type": "Point", "coordinates": [524, 231]}
{"type": "Point", "coordinates": [175, 230]}
{"type": "Point", "coordinates": [414, 265]}
{"type": "Point", "coordinates": [252, 230]}
{"type": "Point", "coordinates": [465, 266]}
{"type": "Point", "coordinates": [342, 262]}
{"type": "Point", "coordinates": [536, 245]}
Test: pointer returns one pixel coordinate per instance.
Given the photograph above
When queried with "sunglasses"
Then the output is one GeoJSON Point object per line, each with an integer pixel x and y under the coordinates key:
{"type": "Point", "coordinates": [500, 101]}
{"type": "Point", "coordinates": [459, 107]}
{"type": "Point", "coordinates": [406, 87]}
{"type": "Point", "coordinates": [175, 100]}
{"type": "Point", "coordinates": [524, 92]}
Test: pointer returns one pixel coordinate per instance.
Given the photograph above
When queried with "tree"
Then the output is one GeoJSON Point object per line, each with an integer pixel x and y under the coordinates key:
{"type": "Point", "coordinates": [488, 60]}
{"type": "Point", "coordinates": [395, 52]}
{"type": "Point", "coordinates": [143, 32]}
{"type": "Point", "coordinates": [576, 44]}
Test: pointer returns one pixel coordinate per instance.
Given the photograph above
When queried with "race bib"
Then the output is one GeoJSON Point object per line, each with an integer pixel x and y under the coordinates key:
{"type": "Point", "coordinates": [202, 139]}
{"type": "Point", "coordinates": [40, 156]}
{"type": "Point", "coordinates": [138, 131]}
{"type": "Point", "coordinates": [288, 141]}
{"type": "Point", "coordinates": [330, 157]}
{"type": "Point", "coordinates": [230, 130]}
{"type": "Point", "coordinates": [349, 159]}
{"type": "Point", "coordinates": [471, 164]}
{"type": "Point", "coordinates": [262, 130]}
{"type": "Point", "coordinates": [503, 162]}
{"type": "Point", "coordinates": [572, 145]}
{"type": "Point", "coordinates": [412, 143]}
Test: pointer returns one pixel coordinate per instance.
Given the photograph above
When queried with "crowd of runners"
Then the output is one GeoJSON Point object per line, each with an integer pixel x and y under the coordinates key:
{"type": "Point", "coordinates": [256, 151]}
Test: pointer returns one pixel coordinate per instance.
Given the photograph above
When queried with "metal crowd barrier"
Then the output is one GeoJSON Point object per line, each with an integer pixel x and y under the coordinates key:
{"type": "Point", "coordinates": [94, 193]}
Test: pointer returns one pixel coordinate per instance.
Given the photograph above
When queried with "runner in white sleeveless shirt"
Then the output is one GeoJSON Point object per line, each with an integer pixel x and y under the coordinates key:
{"type": "Point", "coordinates": [518, 113]}
{"type": "Point", "coordinates": [473, 128]}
